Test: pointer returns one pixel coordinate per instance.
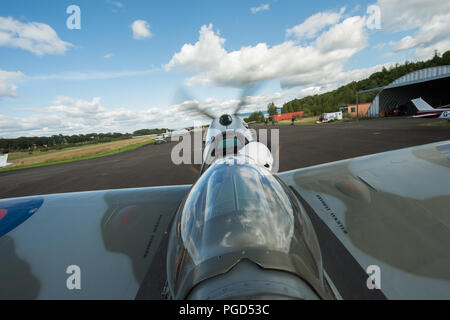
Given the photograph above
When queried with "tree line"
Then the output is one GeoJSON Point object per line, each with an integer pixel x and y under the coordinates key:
{"type": "Point", "coordinates": [147, 132]}
{"type": "Point", "coordinates": [66, 141]}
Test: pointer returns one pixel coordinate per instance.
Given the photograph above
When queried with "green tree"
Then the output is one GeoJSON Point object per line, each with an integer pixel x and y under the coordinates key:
{"type": "Point", "coordinates": [256, 117]}
{"type": "Point", "coordinates": [272, 109]}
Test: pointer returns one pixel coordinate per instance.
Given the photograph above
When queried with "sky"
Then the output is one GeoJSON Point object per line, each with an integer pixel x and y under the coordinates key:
{"type": "Point", "coordinates": [120, 66]}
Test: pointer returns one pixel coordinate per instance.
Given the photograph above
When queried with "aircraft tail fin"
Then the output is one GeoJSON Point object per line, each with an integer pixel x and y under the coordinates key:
{"type": "Point", "coordinates": [421, 105]}
{"type": "Point", "coordinates": [3, 160]}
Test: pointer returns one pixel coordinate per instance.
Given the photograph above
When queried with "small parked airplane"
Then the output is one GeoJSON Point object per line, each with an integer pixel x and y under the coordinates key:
{"type": "Point", "coordinates": [160, 140]}
{"type": "Point", "coordinates": [424, 110]}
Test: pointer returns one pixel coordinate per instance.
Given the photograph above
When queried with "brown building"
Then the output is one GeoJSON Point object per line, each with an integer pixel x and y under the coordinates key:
{"type": "Point", "coordinates": [362, 110]}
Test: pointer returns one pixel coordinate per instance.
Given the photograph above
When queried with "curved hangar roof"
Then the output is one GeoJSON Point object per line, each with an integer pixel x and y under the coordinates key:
{"type": "Point", "coordinates": [431, 84]}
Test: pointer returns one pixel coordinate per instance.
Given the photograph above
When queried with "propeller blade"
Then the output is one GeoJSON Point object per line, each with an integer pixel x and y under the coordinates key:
{"type": "Point", "coordinates": [183, 96]}
{"type": "Point", "coordinates": [246, 93]}
{"type": "Point", "coordinates": [194, 106]}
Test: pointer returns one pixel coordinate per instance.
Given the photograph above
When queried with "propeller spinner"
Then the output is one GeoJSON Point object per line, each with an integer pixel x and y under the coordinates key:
{"type": "Point", "coordinates": [225, 120]}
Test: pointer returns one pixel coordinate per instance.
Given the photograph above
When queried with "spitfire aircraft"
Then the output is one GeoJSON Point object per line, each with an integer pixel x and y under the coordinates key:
{"type": "Point", "coordinates": [372, 227]}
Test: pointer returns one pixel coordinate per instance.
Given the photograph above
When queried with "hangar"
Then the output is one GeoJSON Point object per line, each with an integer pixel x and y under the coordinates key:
{"type": "Point", "coordinates": [430, 84]}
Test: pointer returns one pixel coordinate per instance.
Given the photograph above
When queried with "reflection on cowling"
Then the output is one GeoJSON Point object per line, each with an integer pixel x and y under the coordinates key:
{"type": "Point", "coordinates": [17, 281]}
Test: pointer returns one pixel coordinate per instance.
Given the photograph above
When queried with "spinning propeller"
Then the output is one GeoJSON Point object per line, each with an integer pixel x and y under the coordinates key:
{"type": "Point", "coordinates": [225, 119]}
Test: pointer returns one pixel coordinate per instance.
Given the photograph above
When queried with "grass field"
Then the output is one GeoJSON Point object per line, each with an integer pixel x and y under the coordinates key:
{"type": "Point", "coordinates": [22, 160]}
{"type": "Point", "coordinates": [437, 123]}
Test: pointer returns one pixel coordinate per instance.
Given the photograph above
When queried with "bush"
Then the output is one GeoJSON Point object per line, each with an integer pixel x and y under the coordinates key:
{"type": "Point", "coordinates": [256, 117]}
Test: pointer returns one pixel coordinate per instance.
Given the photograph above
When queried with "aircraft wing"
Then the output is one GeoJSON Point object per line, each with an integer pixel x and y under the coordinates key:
{"type": "Point", "coordinates": [425, 115]}
{"type": "Point", "coordinates": [112, 236]}
{"type": "Point", "coordinates": [391, 210]}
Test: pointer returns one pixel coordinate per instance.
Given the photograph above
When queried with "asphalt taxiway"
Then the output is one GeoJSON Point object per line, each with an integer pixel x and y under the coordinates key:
{"type": "Point", "coordinates": [151, 165]}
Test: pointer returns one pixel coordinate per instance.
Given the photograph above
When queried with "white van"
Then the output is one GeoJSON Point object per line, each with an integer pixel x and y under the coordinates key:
{"type": "Point", "coordinates": [331, 116]}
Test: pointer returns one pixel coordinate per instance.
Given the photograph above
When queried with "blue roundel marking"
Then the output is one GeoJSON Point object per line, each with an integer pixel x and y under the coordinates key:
{"type": "Point", "coordinates": [14, 212]}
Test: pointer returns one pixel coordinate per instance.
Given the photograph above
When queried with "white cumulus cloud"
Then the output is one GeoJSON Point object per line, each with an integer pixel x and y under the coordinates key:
{"type": "Point", "coordinates": [429, 20]}
{"type": "Point", "coordinates": [38, 38]}
{"type": "Point", "coordinates": [213, 65]}
{"type": "Point", "coordinates": [314, 24]}
{"type": "Point", "coordinates": [400, 15]}
{"type": "Point", "coordinates": [430, 35]}
{"type": "Point", "coordinates": [141, 30]}
{"type": "Point", "coordinates": [331, 77]}
{"type": "Point", "coordinates": [8, 86]}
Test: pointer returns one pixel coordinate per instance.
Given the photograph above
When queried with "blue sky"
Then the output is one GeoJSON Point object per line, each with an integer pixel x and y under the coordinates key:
{"type": "Point", "coordinates": [121, 70]}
